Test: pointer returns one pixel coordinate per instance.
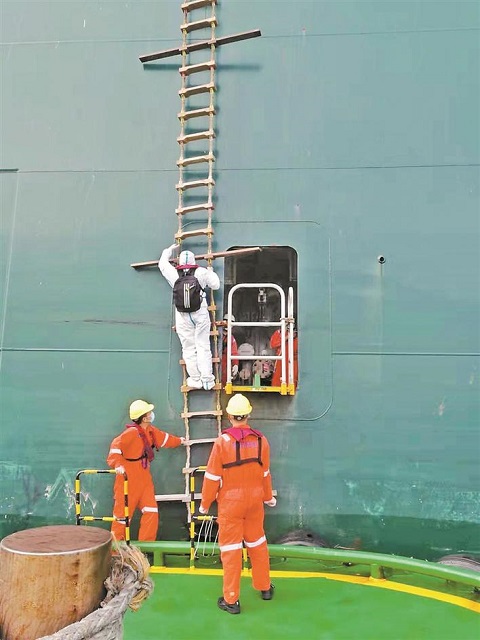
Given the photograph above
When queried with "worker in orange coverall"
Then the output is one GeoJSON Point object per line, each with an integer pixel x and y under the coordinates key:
{"type": "Point", "coordinates": [276, 343]}
{"type": "Point", "coordinates": [224, 351]}
{"type": "Point", "coordinates": [132, 452]}
{"type": "Point", "coordinates": [238, 478]}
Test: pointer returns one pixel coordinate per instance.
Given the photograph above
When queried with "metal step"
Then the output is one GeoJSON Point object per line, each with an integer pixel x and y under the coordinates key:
{"type": "Point", "coordinates": [241, 388]}
{"type": "Point", "coordinates": [197, 68]}
{"type": "Point", "coordinates": [196, 113]}
{"type": "Point", "coordinates": [197, 4]}
{"type": "Point", "coordinates": [181, 186]}
{"type": "Point", "coordinates": [199, 135]}
{"type": "Point", "coordinates": [202, 414]}
{"type": "Point", "coordinates": [205, 206]}
{"type": "Point", "coordinates": [199, 24]}
{"type": "Point", "coordinates": [181, 235]}
{"type": "Point", "coordinates": [175, 497]}
{"type": "Point", "coordinates": [197, 89]}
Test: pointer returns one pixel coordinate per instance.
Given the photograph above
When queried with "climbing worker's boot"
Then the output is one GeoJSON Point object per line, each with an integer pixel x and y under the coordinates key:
{"type": "Point", "coordinates": [194, 383]}
{"type": "Point", "coordinates": [208, 383]}
{"type": "Point", "coordinates": [268, 594]}
{"type": "Point", "coordinates": [230, 608]}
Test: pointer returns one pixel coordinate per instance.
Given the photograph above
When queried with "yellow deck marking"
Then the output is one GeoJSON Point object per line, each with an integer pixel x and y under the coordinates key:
{"type": "Point", "coordinates": [364, 580]}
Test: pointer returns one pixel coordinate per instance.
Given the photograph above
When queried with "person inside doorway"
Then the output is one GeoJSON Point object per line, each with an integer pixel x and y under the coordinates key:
{"type": "Point", "coordinates": [276, 343]}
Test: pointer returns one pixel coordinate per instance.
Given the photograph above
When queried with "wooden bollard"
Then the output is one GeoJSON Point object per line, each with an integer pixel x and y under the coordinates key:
{"type": "Point", "coordinates": [51, 577]}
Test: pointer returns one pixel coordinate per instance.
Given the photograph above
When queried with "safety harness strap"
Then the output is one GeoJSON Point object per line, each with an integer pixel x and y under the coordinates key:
{"type": "Point", "coordinates": [239, 461]}
{"type": "Point", "coordinates": [147, 453]}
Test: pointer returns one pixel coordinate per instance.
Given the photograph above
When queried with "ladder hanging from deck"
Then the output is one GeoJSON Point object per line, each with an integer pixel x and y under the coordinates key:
{"type": "Point", "coordinates": [195, 194]}
{"type": "Point", "coordinates": [194, 84]}
{"type": "Point", "coordinates": [200, 192]}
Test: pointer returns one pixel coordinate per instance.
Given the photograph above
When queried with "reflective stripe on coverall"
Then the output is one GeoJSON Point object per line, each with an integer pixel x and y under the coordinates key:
{"type": "Point", "coordinates": [125, 451]}
{"type": "Point", "coordinates": [240, 492]}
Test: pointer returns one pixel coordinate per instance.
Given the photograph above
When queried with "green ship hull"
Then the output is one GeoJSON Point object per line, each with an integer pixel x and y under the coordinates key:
{"type": "Point", "coordinates": [346, 132]}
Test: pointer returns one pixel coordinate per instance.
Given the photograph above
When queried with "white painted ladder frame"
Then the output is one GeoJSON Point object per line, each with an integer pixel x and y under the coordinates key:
{"type": "Point", "coordinates": [286, 386]}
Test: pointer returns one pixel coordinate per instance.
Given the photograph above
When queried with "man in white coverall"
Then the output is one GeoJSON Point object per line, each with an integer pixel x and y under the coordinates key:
{"type": "Point", "coordinates": [193, 328]}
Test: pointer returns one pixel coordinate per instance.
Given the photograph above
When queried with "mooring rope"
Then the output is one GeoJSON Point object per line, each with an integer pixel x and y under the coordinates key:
{"type": "Point", "coordinates": [127, 586]}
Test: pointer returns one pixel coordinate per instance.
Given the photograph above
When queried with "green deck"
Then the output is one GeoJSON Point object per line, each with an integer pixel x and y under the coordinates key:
{"type": "Point", "coordinates": [184, 606]}
{"type": "Point", "coordinates": [321, 593]}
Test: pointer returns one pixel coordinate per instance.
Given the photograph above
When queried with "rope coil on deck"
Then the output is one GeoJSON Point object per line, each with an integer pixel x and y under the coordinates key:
{"type": "Point", "coordinates": [127, 586]}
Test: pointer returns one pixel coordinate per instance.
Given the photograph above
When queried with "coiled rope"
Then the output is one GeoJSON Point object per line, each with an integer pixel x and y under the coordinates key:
{"type": "Point", "coordinates": [127, 586]}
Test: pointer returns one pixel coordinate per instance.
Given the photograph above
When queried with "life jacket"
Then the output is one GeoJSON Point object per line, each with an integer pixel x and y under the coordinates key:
{"type": "Point", "coordinates": [147, 454]}
{"type": "Point", "coordinates": [238, 434]}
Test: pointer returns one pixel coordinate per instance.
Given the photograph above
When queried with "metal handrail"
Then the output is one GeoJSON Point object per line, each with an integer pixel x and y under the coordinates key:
{"type": "Point", "coordinates": [281, 323]}
{"type": "Point", "coordinates": [376, 561]}
{"type": "Point", "coordinates": [79, 518]}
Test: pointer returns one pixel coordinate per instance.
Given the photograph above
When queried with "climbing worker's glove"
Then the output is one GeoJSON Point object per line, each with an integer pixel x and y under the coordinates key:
{"type": "Point", "coordinates": [119, 469]}
{"type": "Point", "coordinates": [272, 502]}
{"type": "Point", "coordinates": [202, 510]}
{"type": "Point", "coordinates": [234, 370]}
{"type": "Point", "coordinates": [183, 440]}
{"type": "Point", "coordinates": [173, 247]}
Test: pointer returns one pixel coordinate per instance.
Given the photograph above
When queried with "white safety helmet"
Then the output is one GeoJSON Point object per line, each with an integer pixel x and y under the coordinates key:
{"type": "Point", "coordinates": [238, 405]}
{"type": "Point", "coordinates": [227, 316]}
{"type": "Point", "coordinates": [186, 260]}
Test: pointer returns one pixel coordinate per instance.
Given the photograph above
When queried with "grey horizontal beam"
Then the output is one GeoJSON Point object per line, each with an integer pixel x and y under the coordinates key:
{"type": "Point", "coordinates": [196, 46]}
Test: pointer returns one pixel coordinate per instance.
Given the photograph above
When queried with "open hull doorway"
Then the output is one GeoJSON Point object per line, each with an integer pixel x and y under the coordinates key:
{"type": "Point", "coordinates": [265, 306]}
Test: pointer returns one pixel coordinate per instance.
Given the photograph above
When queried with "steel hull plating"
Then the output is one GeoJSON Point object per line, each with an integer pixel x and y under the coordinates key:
{"type": "Point", "coordinates": [348, 131]}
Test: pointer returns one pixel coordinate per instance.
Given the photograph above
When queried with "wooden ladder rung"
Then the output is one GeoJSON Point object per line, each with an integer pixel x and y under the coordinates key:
{"type": "Point", "coordinates": [181, 186]}
{"type": "Point", "coordinates": [204, 206]}
{"type": "Point", "coordinates": [186, 389]}
{"type": "Point", "coordinates": [185, 162]}
{"type": "Point", "coordinates": [192, 469]}
{"type": "Point", "coordinates": [197, 68]}
{"type": "Point", "coordinates": [181, 235]}
{"type": "Point", "coordinates": [201, 441]}
{"type": "Point", "coordinates": [199, 414]}
{"type": "Point", "coordinates": [182, 362]}
{"type": "Point", "coordinates": [199, 24]}
{"type": "Point", "coordinates": [198, 135]}
{"type": "Point", "coordinates": [196, 113]}
{"type": "Point", "coordinates": [195, 90]}
{"type": "Point", "coordinates": [197, 4]}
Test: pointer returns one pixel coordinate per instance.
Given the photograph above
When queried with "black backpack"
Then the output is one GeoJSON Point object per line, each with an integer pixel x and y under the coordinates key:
{"type": "Point", "coordinates": [187, 293]}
